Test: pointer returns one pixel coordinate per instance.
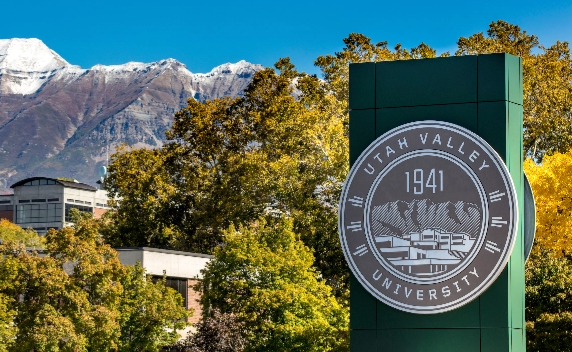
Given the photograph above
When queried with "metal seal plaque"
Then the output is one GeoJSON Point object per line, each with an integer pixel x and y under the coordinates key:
{"type": "Point", "coordinates": [428, 217]}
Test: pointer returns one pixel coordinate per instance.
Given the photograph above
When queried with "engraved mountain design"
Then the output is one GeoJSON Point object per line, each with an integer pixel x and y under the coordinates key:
{"type": "Point", "coordinates": [422, 238]}
{"type": "Point", "coordinates": [400, 218]}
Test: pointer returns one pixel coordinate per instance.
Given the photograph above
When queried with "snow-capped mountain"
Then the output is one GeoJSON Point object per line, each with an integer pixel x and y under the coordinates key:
{"type": "Point", "coordinates": [56, 119]}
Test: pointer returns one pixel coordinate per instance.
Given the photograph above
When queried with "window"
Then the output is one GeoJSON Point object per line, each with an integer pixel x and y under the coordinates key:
{"type": "Point", "coordinates": [78, 207]}
{"type": "Point", "coordinates": [79, 201]}
{"type": "Point", "coordinates": [53, 199]}
{"type": "Point", "coordinates": [38, 200]}
{"type": "Point", "coordinates": [24, 201]}
{"type": "Point", "coordinates": [179, 285]}
{"type": "Point", "coordinates": [6, 208]}
{"type": "Point", "coordinates": [89, 203]}
{"type": "Point", "coordinates": [98, 205]}
{"type": "Point", "coordinates": [33, 213]}
{"type": "Point", "coordinates": [39, 183]}
{"type": "Point", "coordinates": [70, 200]}
{"type": "Point", "coordinates": [5, 202]}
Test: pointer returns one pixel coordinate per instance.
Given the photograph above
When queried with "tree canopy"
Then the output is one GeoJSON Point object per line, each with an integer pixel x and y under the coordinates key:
{"type": "Point", "coordinates": [77, 296]}
{"type": "Point", "coordinates": [14, 233]}
{"type": "Point", "coordinates": [265, 277]}
{"type": "Point", "coordinates": [548, 301]}
{"type": "Point", "coordinates": [550, 182]}
{"type": "Point", "coordinates": [282, 148]}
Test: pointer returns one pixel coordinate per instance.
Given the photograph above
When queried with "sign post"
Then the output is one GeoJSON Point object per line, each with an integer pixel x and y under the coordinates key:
{"type": "Point", "coordinates": [431, 213]}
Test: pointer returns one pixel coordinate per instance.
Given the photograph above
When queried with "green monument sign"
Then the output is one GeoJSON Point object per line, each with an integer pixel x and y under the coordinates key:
{"type": "Point", "coordinates": [430, 214]}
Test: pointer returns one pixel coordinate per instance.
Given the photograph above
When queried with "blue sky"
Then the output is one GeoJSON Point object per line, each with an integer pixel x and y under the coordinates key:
{"type": "Point", "coordinates": [208, 33]}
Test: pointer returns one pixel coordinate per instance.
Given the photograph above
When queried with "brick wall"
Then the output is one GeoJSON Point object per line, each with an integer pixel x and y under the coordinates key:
{"type": "Point", "coordinates": [193, 298]}
{"type": "Point", "coordinates": [98, 212]}
{"type": "Point", "coordinates": [7, 214]}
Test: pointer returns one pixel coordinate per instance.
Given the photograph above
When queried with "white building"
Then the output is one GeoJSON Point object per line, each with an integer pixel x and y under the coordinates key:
{"type": "Point", "coordinates": [42, 203]}
{"type": "Point", "coordinates": [182, 270]}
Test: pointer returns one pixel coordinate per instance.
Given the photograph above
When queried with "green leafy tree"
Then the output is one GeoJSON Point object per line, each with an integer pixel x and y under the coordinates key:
{"type": "Point", "coordinates": [14, 233]}
{"type": "Point", "coordinates": [79, 297]}
{"type": "Point", "coordinates": [547, 84]}
{"type": "Point", "coordinates": [8, 330]}
{"type": "Point", "coordinates": [231, 161]}
{"type": "Point", "coordinates": [548, 301]}
{"type": "Point", "coordinates": [264, 276]}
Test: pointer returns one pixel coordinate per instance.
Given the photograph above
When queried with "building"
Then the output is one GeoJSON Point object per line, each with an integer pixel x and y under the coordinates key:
{"type": "Point", "coordinates": [424, 253]}
{"type": "Point", "coordinates": [43, 203]}
{"type": "Point", "coordinates": [182, 271]}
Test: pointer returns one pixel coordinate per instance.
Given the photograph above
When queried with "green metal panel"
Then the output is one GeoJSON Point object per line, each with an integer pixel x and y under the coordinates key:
{"type": "Point", "coordinates": [445, 89]}
{"type": "Point", "coordinates": [464, 317]}
{"type": "Point", "coordinates": [428, 340]}
{"type": "Point", "coordinates": [518, 339]}
{"type": "Point", "coordinates": [363, 340]}
{"type": "Point", "coordinates": [493, 77]}
{"type": "Point", "coordinates": [515, 79]}
{"type": "Point", "coordinates": [362, 86]}
{"type": "Point", "coordinates": [496, 339]}
{"type": "Point", "coordinates": [363, 307]}
{"type": "Point", "coordinates": [464, 115]}
{"type": "Point", "coordinates": [426, 82]}
{"type": "Point", "coordinates": [362, 131]}
{"type": "Point", "coordinates": [495, 303]}
{"type": "Point", "coordinates": [500, 78]}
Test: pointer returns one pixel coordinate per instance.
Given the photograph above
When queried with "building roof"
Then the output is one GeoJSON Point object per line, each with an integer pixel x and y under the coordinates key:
{"type": "Point", "coordinates": [68, 184]}
{"type": "Point", "coordinates": [167, 251]}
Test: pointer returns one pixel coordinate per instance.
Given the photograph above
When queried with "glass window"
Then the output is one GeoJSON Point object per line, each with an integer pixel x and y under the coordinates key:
{"type": "Point", "coordinates": [78, 207]}
{"type": "Point", "coordinates": [43, 182]}
{"type": "Point", "coordinates": [70, 200]}
{"type": "Point", "coordinates": [24, 201]}
{"type": "Point", "coordinates": [179, 285]}
{"type": "Point", "coordinates": [39, 200]}
{"type": "Point", "coordinates": [53, 199]}
{"type": "Point", "coordinates": [6, 207]}
{"type": "Point", "coordinates": [4, 202]}
{"type": "Point", "coordinates": [34, 213]}
{"type": "Point", "coordinates": [79, 201]}
{"type": "Point", "coordinates": [36, 183]}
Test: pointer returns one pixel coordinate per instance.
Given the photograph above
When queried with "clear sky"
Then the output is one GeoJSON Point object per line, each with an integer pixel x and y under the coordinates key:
{"type": "Point", "coordinates": [204, 34]}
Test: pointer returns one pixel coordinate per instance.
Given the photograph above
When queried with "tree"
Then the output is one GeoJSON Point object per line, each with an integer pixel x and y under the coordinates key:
{"type": "Point", "coordinates": [79, 297]}
{"type": "Point", "coordinates": [231, 161]}
{"type": "Point", "coordinates": [548, 301]}
{"type": "Point", "coordinates": [217, 332]}
{"type": "Point", "coordinates": [8, 330]}
{"type": "Point", "coordinates": [552, 195]}
{"type": "Point", "coordinates": [282, 149]}
{"type": "Point", "coordinates": [547, 84]}
{"type": "Point", "coordinates": [264, 276]}
{"type": "Point", "coordinates": [14, 233]}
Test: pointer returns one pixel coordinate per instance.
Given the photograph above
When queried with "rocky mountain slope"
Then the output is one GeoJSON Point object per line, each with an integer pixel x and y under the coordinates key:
{"type": "Point", "coordinates": [57, 119]}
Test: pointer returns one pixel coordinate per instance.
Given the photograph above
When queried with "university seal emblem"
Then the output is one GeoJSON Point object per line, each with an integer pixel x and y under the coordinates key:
{"type": "Point", "coordinates": [428, 217]}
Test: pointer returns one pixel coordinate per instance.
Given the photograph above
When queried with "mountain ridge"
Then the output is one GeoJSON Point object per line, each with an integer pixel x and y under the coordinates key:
{"type": "Point", "coordinates": [62, 124]}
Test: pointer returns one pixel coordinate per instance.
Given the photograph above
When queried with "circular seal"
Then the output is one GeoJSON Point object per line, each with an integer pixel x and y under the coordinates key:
{"type": "Point", "coordinates": [428, 217]}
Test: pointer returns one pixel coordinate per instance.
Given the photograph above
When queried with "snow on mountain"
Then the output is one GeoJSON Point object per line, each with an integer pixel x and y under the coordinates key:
{"type": "Point", "coordinates": [56, 119]}
{"type": "Point", "coordinates": [26, 64]}
{"type": "Point", "coordinates": [28, 55]}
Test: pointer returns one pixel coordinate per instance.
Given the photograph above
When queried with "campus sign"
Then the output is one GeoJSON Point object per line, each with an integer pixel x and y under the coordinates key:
{"type": "Point", "coordinates": [428, 217]}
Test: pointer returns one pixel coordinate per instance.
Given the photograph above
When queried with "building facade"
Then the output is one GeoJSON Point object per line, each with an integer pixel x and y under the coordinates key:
{"type": "Point", "coordinates": [181, 269]}
{"type": "Point", "coordinates": [43, 203]}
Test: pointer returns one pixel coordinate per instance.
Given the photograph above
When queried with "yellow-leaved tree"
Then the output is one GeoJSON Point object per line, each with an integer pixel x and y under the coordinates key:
{"type": "Point", "coordinates": [552, 189]}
